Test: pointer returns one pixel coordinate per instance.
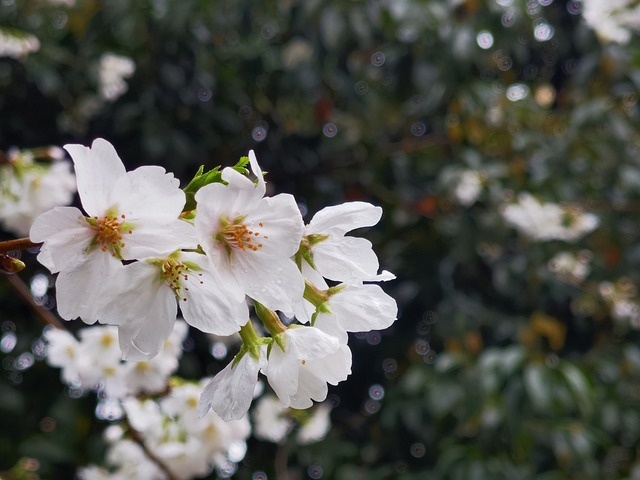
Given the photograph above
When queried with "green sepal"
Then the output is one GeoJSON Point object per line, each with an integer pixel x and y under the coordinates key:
{"type": "Point", "coordinates": [199, 180]}
{"type": "Point", "coordinates": [269, 318]}
{"type": "Point", "coordinates": [251, 342]}
{"type": "Point", "coordinates": [316, 238]}
{"type": "Point", "coordinates": [281, 341]}
{"type": "Point", "coordinates": [336, 289]}
{"type": "Point", "coordinates": [202, 178]}
{"type": "Point", "coordinates": [314, 295]}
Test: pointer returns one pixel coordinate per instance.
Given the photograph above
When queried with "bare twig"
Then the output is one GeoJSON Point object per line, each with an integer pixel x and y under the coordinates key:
{"type": "Point", "coordinates": [17, 244]}
{"type": "Point", "coordinates": [280, 462]}
{"type": "Point", "coordinates": [137, 437]}
{"type": "Point", "coordinates": [21, 288]}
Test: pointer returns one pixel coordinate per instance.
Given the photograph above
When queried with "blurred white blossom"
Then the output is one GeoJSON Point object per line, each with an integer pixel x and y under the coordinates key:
{"type": "Point", "coordinates": [469, 187]}
{"type": "Point", "coordinates": [29, 188]}
{"type": "Point", "coordinates": [17, 44]}
{"type": "Point", "coordinates": [548, 221]}
{"type": "Point", "coordinates": [271, 421]}
{"type": "Point", "coordinates": [571, 266]}
{"type": "Point", "coordinates": [315, 427]}
{"type": "Point", "coordinates": [94, 361]}
{"type": "Point", "coordinates": [621, 298]}
{"type": "Point", "coordinates": [612, 20]}
{"type": "Point", "coordinates": [112, 71]}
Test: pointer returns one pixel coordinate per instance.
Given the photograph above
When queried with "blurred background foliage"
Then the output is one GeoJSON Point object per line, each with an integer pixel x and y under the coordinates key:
{"type": "Point", "coordinates": [498, 367]}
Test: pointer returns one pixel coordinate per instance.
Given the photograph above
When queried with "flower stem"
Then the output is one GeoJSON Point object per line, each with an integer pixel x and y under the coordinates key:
{"type": "Point", "coordinates": [314, 295]}
{"type": "Point", "coordinates": [249, 334]}
{"type": "Point", "coordinates": [269, 318]}
{"type": "Point", "coordinates": [17, 244]}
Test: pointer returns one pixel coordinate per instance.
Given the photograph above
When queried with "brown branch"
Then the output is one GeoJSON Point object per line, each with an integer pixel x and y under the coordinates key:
{"type": "Point", "coordinates": [18, 244]}
{"type": "Point", "coordinates": [137, 438]}
{"type": "Point", "coordinates": [21, 288]}
{"type": "Point", "coordinates": [280, 462]}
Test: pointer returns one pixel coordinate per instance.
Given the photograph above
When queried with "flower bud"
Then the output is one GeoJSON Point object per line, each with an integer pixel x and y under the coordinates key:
{"type": "Point", "coordinates": [10, 264]}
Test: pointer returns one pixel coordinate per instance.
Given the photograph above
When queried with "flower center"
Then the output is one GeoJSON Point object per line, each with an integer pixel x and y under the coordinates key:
{"type": "Point", "coordinates": [108, 233]}
{"type": "Point", "coordinates": [173, 273]}
{"type": "Point", "coordinates": [237, 236]}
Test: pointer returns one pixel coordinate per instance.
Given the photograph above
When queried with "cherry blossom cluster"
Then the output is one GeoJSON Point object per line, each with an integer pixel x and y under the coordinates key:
{"type": "Point", "coordinates": [143, 248]}
{"type": "Point", "coordinates": [274, 423]}
{"type": "Point", "coordinates": [17, 43]}
{"type": "Point", "coordinates": [94, 361]}
{"type": "Point", "coordinates": [175, 438]}
{"type": "Point", "coordinates": [615, 21]}
{"type": "Point", "coordinates": [548, 221]}
{"type": "Point", "coordinates": [32, 182]}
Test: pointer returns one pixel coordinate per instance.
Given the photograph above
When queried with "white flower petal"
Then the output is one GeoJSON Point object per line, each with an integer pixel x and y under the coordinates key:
{"type": "Point", "coordinates": [279, 224]}
{"type": "Point", "coordinates": [257, 171]}
{"type": "Point", "coordinates": [310, 342]}
{"type": "Point", "coordinates": [363, 308]}
{"type": "Point", "coordinates": [66, 233]}
{"type": "Point", "coordinates": [208, 306]}
{"type": "Point", "coordinates": [97, 170]}
{"type": "Point", "coordinates": [340, 219]}
{"type": "Point", "coordinates": [149, 193]}
{"type": "Point", "coordinates": [83, 290]}
{"type": "Point", "coordinates": [329, 324]}
{"type": "Point", "coordinates": [349, 258]}
{"type": "Point", "coordinates": [310, 388]}
{"type": "Point", "coordinates": [151, 239]}
{"type": "Point", "coordinates": [277, 285]}
{"type": "Point", "coordinates": [148, 335]}
{"type": "Point", "coordinates": [282, 373]}
{"type": "Point", "coordinates": [334, 368]}
{"type": "Point", "coordinates": [230, 392]}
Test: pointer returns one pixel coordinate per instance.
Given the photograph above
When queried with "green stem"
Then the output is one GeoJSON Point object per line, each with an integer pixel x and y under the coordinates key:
{"type": "Point", "coordinates": [269, 318]}
{"type": "Point", "coordinates": [314, 295]}
{"type": "Point", "coordinates": [248, 334]}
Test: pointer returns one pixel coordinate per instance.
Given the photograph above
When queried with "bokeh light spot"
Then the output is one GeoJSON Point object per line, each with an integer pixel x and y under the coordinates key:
{"type": "Point", "coordinates": [315, 471]}
{"type": "Point", "coordinates": [8, 342]}
{"type": "Point", "coordinates": [329, 130]}
{"type": "Point", "coordinates": [484, 39]}
{"type": "Point", "coordinates": [378, 59]}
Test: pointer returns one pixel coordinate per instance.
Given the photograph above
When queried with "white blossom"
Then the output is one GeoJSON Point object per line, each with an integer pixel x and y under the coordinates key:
{"type": "Point", "coordinates": [131, 215]}
{"type": "Point", "coordinates": [29, 188]}
{"type": "Point", "coordinates": [17, 44]}
{"type": "Point", "coordinates": [612, 20]}
{"type": "Point", "coordinates": [356, 308]}
{"type": "Point", "coordinates": [62, 352]}
{"type": "Point", "coordinates": [250, 239]}
{"type": "Point", "coordinates": [570, 266]}
{"type": "Point", "coordinates": [271, 420]}
{"type": "Point", "coordinates": [230, 392]}
{"type": "Point", "coordinates": [149, 292]}
{"type": "Point", "coordinates": [469, 187]}
{"type": "Point", "coordinates": [311, 358]}
{"type": "Point", "coordinates": [548, 221]}
{"type": "Point", "coordinates": [315, 428]}
{"type": "Point", "coordinates": [112, 71]}
{"type": "Point", "coordinates": [337, 256]}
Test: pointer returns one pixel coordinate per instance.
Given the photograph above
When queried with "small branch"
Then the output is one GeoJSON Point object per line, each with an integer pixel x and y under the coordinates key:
{"type": "Point", "coordinates": [21, 288]}
{"type": "Point", "coordinates": [137, 437]}
{"type": "Point", "coordinates": [280, 462]}
{"type": "Point", "coordinates": [18, 244]}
